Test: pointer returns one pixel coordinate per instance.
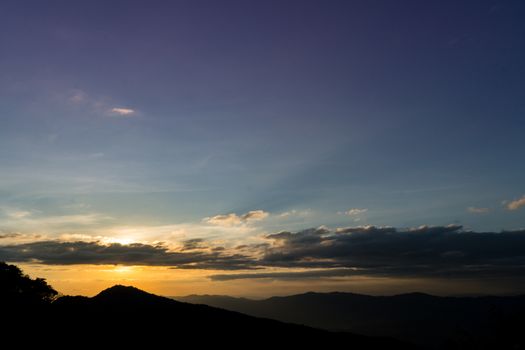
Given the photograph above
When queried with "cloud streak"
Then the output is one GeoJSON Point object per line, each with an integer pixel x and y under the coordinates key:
{"type": "Point", "coordinates": [516, 204]}
{"type": "Point", "coordinates": [123, 112]}
{"type": "Point", "coordinates": [292, 275]}
{"type": "Point", "coordinates": [233, 219]}
{"type": "Point", "coordinates": [476, 210]}
{"type": "Point", "coordinates": [355, 211]}
{"type": "Point", "coordinates": [96, 104]}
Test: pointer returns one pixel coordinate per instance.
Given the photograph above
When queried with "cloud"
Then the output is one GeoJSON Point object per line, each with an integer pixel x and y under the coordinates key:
{"type": "Point", "coordinates": [355, 211]}
{"type": "Point", "coordinates": [54, 252]}
{"type": "Point", "coordinates": [8, 237]}
{"type": "Point", "coordinates": [234, 219]}
{"type": "Point", "coordinates": [78, 96]}
{"type": "Point", "coordinates": [224, 220]}
{"type": "Point", "coordinates": [476, 210]}
{"type": "Point", "coordinates": [516, 204]}
{"type": "Point", "coordinates": [292, 275]}
{"type": "Point", "coordinates": [294, 212]}
{"type": "Point", "coordinates": [63, 220]}
{"type": "Point", "coordinates": [255, 215]}
{"type": "Point", "coordinates": [18, 214]}
{"type": "Point", "coordinates": [36, 220]}
{"type": "Point", "coordinates": [124, 112]}
{"type": "Point", "coordinates": [101, 105]}
{"type": "Point", "coordinates": [5, 235]}
{"type": "Point", "coordinates": [193, 244]}
{"type": "Point", "coordinates": [418, 252]}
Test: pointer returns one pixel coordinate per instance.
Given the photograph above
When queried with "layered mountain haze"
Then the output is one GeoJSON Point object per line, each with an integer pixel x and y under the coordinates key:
{"type": "Point", "coordinates": [125, 315]}
{"type": "Point", "coordinates": [431, 321]}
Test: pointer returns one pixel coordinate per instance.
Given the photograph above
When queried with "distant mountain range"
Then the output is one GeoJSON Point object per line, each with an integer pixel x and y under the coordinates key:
{"type": "Point", "coordinates": [435, 322]}
{"type": "Point", "coordinates": [126, 316]}
{"type": "Point", "coordinates": [31, 315]}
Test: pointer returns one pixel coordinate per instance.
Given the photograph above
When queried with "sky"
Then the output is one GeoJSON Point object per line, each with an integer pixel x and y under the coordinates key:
{"type": "Point", "coordinates": [261, 148]}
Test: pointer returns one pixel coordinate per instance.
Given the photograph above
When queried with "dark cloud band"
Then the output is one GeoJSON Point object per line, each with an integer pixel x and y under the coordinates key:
{"type": "Point", "coordinates": [443, 251]}
{"type": "Point", "coordinates": [69, 253]}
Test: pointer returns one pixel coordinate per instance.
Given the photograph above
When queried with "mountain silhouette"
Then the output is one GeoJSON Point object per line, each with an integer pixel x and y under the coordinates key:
{"type": "Point", "coordinates": [430, 321]}
{"type": "Point", "coordinates": [126, 316]}
{"type": "Point", "coordinates": [129, 310]}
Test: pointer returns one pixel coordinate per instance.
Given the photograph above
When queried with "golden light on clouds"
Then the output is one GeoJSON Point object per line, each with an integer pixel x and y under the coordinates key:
{"type": "Point", "coordinates": [89, 280]}
{"type": "Point", "coordinates": [516, 204]}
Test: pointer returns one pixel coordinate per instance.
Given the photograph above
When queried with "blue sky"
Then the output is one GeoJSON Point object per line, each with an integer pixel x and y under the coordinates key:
{"type": "Point", "coordinates": [157, 115]}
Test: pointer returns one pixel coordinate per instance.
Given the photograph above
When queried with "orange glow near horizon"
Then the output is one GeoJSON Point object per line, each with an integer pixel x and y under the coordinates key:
{"type": "Point", "coordinates": [89, 280]}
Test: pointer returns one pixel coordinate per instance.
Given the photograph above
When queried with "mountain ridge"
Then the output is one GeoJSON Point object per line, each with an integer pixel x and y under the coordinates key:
{"type": "Point", "coordinates": [126, 310]}
{"type": "Point", "coordinates": [417, 317]}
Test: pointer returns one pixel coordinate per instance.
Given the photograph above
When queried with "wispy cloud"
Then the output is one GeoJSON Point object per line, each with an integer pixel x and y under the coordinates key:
{"type": "Point", "coordinates": [14, 238]}
{"type": "Point", "coordinates": [477, 210]}
{"type": "Point", "coordinates": [232, 219]}
{"type": "Point", "coordinates": [288, 275]}
{"type": "Point", "coordinates": [96, 104]}
{"type": "Point", "coordinates": [75, 219]}
{"type": "Point", "coordinates": [4, 235]}
{"type": "Point", "coordinates": [224, 219]}
{"type": "Point", "coordinates": [35, 221]}
{"type": "Point", "coordinates": [516, 204]}
{"type": "Point", "coordinates": [78, 97]}
{"type": "Point", "coordinates": [355, 211]}
{"type": "Point", "coordinates": [18, 214]}
{"type": "Point", "coordinates": [255, 215]}
{"type": "Point", "coordinates": [294, 212]}
{"type": "Point", "coordinates": [123, 112]}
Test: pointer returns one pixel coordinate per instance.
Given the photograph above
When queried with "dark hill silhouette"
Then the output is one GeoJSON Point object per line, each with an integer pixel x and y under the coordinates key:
{"type": "Point", "coordinates": [435, 322]}
{"type": "Point", "coordinates": [126, 316]}
{"type": "Point", "coordinates": [132, 311]}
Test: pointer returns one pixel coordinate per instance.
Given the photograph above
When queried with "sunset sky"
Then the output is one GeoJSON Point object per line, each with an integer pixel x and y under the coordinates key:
{"type": "Point", "coordinates": [259, 148]}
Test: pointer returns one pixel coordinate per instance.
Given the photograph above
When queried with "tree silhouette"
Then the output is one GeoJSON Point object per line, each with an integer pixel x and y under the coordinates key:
{"type": "Point", "coordinates": [17, 288]}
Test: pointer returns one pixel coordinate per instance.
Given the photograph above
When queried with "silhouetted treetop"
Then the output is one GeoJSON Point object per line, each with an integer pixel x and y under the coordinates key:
{"type": "Point", "coordinates": [15, 287]}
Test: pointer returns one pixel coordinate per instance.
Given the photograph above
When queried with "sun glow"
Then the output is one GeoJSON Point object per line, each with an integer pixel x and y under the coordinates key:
{"type": "Point", "coordinates": [122, 240]}
{"type": "Point", "coordinates": [123, 269]}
